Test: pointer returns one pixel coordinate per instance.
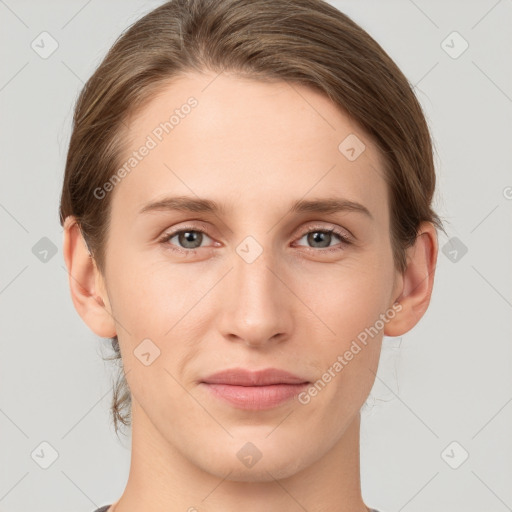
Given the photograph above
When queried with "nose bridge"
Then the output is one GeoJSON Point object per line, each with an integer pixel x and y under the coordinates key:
{"type": "Point", "coordinates": [256, 307]}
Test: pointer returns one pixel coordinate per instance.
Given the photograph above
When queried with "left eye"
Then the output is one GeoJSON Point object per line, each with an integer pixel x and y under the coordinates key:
{"type": "Point", "coordinates": [323, 237]}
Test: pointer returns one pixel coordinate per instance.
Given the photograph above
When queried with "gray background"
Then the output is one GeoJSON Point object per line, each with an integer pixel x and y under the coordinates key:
{"type": "Point", "coordinates": [448, 380]}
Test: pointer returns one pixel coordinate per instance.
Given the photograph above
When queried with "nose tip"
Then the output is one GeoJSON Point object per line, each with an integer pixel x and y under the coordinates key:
{"type": "Point", "coordinates": [256, 338]}
{"type": "Point", "coordinates": [254, 309]}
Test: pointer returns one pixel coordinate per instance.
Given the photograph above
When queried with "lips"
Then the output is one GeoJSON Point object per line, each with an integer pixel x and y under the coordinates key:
{"type": "Point", "coordinates": [242, 377]}
{"type": "Point", "coordinates": [254, 390]}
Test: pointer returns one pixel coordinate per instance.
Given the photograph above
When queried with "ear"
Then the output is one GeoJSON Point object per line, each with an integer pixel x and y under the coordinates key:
{"type": "Point", "coordinates": [414, 286]}
{"type": "Point", "coordinates": [86, 283]}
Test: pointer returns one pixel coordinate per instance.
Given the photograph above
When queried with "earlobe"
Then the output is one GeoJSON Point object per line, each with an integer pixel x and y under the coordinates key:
{"type": "Point", "coordinates": [417, 281]}
{"type": "Point", "coordinates": [86, 283]}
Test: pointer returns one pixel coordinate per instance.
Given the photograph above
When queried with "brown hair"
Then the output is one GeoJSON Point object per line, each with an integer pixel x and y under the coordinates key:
{"type": "Point", "coordinates": [307, 42]}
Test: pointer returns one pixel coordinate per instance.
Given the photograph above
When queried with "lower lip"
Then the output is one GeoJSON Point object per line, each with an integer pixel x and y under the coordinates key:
{"type": "Point", "coordinates": [256, 397]}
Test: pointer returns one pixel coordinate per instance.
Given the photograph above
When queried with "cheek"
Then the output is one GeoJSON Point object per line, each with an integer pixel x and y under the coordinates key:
{"type": "Point", "coordinates": [151, 303]}
{"type": "Point", "coordinates": [159, 306]}
{"type": "Point", "coordinates": [348, 301]}
{"type": "Point", "coordinates": [346, 298]}
{"type": "Point", "coordinates": [150, 297]}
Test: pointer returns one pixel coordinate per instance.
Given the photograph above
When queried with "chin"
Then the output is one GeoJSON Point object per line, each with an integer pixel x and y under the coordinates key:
{"type": "Point", "coordinates": [245, 462]}
{"type": "Point", "coordinates": [259, 473]}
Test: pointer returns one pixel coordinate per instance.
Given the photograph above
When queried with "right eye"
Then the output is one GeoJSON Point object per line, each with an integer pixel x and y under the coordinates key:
{"type": "Point", "coordinates": [189, 237]}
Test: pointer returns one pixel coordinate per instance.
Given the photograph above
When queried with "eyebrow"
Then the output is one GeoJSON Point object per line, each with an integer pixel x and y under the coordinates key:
{"type": "Point", "coordinates": [192, 204]}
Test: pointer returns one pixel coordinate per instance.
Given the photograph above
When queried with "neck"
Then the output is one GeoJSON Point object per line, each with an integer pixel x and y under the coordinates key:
{"type": "Point", "coordinates": [162, 479]}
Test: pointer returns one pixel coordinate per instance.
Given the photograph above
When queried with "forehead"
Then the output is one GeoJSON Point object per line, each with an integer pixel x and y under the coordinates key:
{"type": "Point", "coordinates": [242, 141]}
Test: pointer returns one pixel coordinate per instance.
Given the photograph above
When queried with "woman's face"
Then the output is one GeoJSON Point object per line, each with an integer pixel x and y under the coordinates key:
{"type": "Point", "coordinates": [245, 286]}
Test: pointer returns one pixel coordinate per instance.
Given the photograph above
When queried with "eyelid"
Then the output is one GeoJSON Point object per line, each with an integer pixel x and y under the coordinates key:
{"type": "Point", "coordinates": [192, 225]}
{"type": "Point", "coordinates": [342, 232]}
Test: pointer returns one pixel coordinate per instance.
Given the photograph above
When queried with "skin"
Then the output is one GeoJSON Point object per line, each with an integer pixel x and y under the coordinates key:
{"type": "Point", "coordinates": [254, 148]}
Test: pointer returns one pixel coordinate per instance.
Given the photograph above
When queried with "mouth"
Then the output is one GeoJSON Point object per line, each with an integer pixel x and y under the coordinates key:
{"type": "Point", "coordinates": [254, 390]}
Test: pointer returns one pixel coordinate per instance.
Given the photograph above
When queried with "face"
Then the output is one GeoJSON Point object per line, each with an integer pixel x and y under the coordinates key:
{"type": "Point", "coordinates": [267, 279]}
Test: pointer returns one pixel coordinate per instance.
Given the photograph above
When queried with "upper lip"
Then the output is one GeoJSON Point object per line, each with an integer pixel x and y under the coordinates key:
{"type": "Point", "coordinates": [243, 377]}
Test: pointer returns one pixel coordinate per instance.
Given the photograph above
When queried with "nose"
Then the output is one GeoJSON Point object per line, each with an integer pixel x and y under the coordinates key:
{"type": "Point", "coordinates": [257, 306]}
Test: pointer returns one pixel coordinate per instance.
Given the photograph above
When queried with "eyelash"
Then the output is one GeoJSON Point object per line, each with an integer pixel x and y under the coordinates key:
{"type": "Point", "coordinates": [343, 237]}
